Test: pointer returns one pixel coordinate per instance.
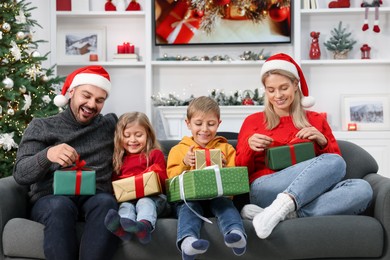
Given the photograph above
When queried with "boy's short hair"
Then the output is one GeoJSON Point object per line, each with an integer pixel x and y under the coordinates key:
{"type": "Point", "coordinates": [203, 104]}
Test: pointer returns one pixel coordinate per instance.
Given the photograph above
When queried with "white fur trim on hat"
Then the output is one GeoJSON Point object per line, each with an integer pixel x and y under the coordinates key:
{"type": "Point", "coordinates": [279, 64]}
{"type": "Point", "coordinates": [91, 79]}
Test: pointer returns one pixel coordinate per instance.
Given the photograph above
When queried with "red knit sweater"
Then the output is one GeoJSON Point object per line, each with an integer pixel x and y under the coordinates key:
{"type": "Point", "coordinates": [134, 164]}
{"type": "Point", "coordinates": [283, 133]}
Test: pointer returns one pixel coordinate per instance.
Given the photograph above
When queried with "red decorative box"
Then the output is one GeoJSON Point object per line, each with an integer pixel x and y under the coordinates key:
{"type": "Point", "coordinates": [179, 26]}
{"type": "Point", "coordinates": [64, 5]}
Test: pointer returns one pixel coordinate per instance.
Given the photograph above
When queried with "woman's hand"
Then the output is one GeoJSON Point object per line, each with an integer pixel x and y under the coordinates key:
{"type": "Point", "coordinates": [189, 158]}
{"type": "Point", "coordinates": [312, 134]}
{"type": "Point", "coordinates": [258, 142]}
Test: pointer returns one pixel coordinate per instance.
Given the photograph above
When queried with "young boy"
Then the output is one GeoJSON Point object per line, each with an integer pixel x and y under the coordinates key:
{"type": "Point", "coordinates": [203, 119]}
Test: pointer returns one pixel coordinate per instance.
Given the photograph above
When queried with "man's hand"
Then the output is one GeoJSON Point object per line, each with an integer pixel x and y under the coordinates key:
{"type": "Point", "coordinates": [63, 154]}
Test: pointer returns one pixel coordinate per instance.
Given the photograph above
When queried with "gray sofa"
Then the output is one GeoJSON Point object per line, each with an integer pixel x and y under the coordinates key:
{"type": "Point", "coordinates": [328, 237]}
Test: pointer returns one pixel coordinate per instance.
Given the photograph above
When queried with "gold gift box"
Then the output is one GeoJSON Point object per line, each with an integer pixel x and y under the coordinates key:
{"type": "Point", "coordinates": [135, 187]}
{"type": "Point", "coordinates": [200, 158]}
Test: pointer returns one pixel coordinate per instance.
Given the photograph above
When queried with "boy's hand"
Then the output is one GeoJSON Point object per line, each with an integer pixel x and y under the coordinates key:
{"type": "Point", "coordinates": [224, 161]}
{"type": "Point", "coordinates": [189, 158]}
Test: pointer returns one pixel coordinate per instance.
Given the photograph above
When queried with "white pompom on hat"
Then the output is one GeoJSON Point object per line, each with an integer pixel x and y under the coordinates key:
{"type": "Point", "coordinates": [282, 61]}
{"type": "Point", "coordinates": [91, 75]}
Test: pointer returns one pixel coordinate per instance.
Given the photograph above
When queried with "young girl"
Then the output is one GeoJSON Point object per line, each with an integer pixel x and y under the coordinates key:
{"type": "Point", "coordinates": [136, 151]}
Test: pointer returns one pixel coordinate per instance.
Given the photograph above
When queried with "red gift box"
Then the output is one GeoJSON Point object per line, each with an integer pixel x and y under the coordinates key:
{"type": "Point", "coordinates": [179, 26]}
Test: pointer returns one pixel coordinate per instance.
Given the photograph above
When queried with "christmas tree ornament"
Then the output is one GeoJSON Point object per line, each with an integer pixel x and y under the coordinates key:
{"type": "Point", "coordinates": [15, 51]}
{"type": "Point", "coordinates": [8, 83]}
{"type": "Point", "coordinates": [7, 141]}
{"type": "Point", "coordinates": [11, 111]}
{"type": "Point", "coordinates": [20, 36]}
{"type": "Point", "coordinates": [46, 99]}
{"type": "Point", "coordinates": [35, 54]}
{"type": "Point", "coordinates": [45, 78]}
{"type": "Point", "coordinates": [279, 13]}
{"type": "Point", "coordinates": [221, 2]}
{"type": "Point", "coordinates": [21, 18]}
{"type": "Point", "coordinates": [1, 35]}
{"type": "Point", "coordinates": [6, 27]}
{"type": "Point", "coordinates": [376, 4]}
{"type": "Point", "coordinates": [27, 102]}
{"type": "Point", "coordinates": [22, 89]}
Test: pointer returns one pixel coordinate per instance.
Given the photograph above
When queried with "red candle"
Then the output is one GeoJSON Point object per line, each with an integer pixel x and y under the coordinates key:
{"type": "Point", "coordinates": [93, 57]}
{"type": "Point", "coordinates": [127, 47]}
{"type": "Point", "coordinates": [121, 49]}
{"type": "Point", "coordinates": [352, 127]}
{"type": "Point", "coordinates": [131, 48]}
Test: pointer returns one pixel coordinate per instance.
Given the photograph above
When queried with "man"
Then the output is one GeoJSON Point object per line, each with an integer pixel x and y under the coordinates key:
{"type": "Point", "coordinates": [48, 144]}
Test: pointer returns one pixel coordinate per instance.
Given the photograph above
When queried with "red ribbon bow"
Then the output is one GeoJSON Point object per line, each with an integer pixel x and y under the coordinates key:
{"type": "Point", "coordinates": [79, 166]}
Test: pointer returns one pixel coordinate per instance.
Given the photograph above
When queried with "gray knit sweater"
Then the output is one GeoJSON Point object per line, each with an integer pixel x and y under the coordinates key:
{"type": "Point", "coordinates": [94, 143]}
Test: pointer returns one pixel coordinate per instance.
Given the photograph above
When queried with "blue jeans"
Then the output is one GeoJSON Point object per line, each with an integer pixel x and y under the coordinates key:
{"type": "Point", "coordinates": [60, 214]}
{"type": "Point", "coordinates": [146, 208]}
{"type": "Point", "coordinates": [222, 208]}
{"type": "Point", "coordinates": [316, 186]}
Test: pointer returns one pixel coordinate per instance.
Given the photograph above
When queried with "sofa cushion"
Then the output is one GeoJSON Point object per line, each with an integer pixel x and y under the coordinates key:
{"type": "Point", "coordinates": [20, 231]}
{"type": "Point", "coordinates": [302, 238]}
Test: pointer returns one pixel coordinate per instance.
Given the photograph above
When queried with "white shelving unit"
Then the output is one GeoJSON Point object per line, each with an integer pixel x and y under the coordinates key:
{"type": "Point", "coordinates": [134, 83]}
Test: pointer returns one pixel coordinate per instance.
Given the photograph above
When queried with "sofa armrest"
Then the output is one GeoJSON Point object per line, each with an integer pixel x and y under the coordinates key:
{"type": "Point", "coordinates": [13, 201]}
{"type": "Point", "coordinates": [381, 203]}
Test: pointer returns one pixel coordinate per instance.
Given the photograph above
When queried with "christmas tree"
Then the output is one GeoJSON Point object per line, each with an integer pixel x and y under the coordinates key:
{"type": "Point", "coordinates": [26, 89]}
{"type": "Point", "coordinates": [341, 41]}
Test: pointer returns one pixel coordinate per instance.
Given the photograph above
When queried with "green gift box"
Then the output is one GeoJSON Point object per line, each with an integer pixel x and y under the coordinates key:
{"type": "Point", "coordinates": [74, 182]}
{"type": "Point", "coordinates": [281, 157]}
{"type": "Point", "coordinates": [208, 183]}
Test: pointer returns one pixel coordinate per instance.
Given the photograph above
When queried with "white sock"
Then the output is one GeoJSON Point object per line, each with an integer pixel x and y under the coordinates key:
{"type": "Point", "coordinates": [249, 211]}
{"type": "Point", "coordinates": [192, 246]}
{"type": "Point", "coordinates": [267, 220]}
{"type": "Point", "coordinates": [237, 241]}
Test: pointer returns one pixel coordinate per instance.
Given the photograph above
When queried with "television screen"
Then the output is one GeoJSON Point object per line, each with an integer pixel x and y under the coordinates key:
{"type": "Point", "coordinates": [182, 22]}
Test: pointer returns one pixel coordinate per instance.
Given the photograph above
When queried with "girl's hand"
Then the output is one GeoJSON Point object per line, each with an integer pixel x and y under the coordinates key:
{"type": "Point", "coordinates": [312, 134]}
{"type": "Point", "coordinates": [189, 158]}
{"type": "Point", "coordinates": [258, 142]}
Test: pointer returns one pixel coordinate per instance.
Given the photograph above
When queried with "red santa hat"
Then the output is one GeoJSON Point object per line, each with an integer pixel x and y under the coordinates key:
{"type": "Point", "coordinates": [92, 75]}
{"type": "Point", "coordinates": [282, 61]}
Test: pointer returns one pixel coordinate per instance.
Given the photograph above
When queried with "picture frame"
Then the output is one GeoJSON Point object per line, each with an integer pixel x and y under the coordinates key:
{"type": "Point", "coordinates": [368, 112]}
{"type": "Point", "coordinates": [75, 44]}
{"type": "Point", "coordinates": [178, 23]}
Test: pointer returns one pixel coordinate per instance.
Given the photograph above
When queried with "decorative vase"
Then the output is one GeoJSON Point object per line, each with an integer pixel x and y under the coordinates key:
{"type": "Point", "coordinates": [340, 55]}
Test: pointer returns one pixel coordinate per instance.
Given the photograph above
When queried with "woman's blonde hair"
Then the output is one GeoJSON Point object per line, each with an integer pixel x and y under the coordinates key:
{"type": "Point", "coordinates": [151, 140]}
{"type": "Point", "coordinates": [296, 109]}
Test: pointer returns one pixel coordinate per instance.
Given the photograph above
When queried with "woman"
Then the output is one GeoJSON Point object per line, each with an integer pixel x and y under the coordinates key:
{"type": "Point", "coordinates": [310, 188]}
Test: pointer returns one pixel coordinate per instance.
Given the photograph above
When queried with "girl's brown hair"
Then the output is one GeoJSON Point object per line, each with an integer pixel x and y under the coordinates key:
{"type": "Point", "coordinates": [296, 110]}
{"type": "Point", "coordinates": [151, 140]}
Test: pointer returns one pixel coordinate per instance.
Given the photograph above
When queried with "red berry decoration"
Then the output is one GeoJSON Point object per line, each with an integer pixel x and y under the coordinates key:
{"type": "Point", "coordinates": [247, 101]}
{"type": "Point", "coordinates": [221, 2]}
{"type": "Point", "coordinates": [279, 14]}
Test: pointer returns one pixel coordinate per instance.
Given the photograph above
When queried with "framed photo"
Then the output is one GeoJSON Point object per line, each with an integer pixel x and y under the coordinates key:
{"type": "Point", "coordinates": [75, 44]}
{"type": "Point", "coordinates": [183, 22]}
{"type": "Point", "coordinates": [369, 112]}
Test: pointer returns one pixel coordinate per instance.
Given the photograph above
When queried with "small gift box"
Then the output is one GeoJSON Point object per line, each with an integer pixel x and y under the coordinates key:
{"type": "Point", "coordinates": [207, 157]}
{"type": "Point", "coordinates": [208, 183]}
{"type": "Point", "coordinates": [280, 157]}
{"type": "Point", "coordinates": [138, 186]}
{"type": "Point", "coordinates": [75, 180]}
{"type": "Point", "coordinates": [179, 26]}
